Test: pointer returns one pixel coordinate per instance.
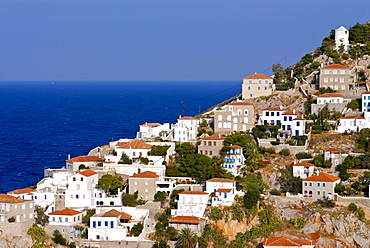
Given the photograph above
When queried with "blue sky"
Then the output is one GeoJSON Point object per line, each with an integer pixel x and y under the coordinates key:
{"type": "Point", "coordinates": [163, 39]}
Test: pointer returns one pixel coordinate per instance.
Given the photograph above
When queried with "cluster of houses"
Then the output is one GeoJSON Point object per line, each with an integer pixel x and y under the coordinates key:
{"type": "Point", "coordinates": [68, 193]}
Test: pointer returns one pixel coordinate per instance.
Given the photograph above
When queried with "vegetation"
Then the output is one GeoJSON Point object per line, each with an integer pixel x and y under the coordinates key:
{"type": "Point", "coordinates": [289, 183]}
{"type": "Point", "coordinates": [89, 213]}
{"type": "Point", "coordinates": [359, 212]}
{"type": "Point", "coordinates": [158, 151]}
{"type": "Point", "coordinates": [251, 198]}
{"type": "Point", "coordinates": [160, 196]}
{"type": "Point", "coordinates": [59, 239]}
{"type": "Point", "coordinates": [303, 155]}
{"type": "Point", "coordinates": [326, 202]}
{"type": "Point", "coordinates": [125, 159]}
{"type": "Point", "coordinates": [41, 218]}
{"type": "Point", "coordinates": [285, 152]}
{"type": "Point", "coordinates": [215, 214]}
{"type": "Point", "coordinates": [187, 239]}
{"type": "Point", "coordinates": [144, 160]}
{"type": "Point", "coordinates": [137, 229]}
{"type": "Point", "coordinates": [212, 235]}
{"type": "Point", "coordinates": [275, 192]}
{"type": "Point", "coordinates": [298, 223]}
{"type": "Point", "coordinates": [131, 200]}
{"type": "Point", "coordinates": [38, 236]}
{"type": "Point", "coordinates": [110, 183]}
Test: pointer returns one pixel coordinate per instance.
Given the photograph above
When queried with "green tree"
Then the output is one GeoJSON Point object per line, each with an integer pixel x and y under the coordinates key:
{"type": "Point", "coordinates": [251, 198]}
{"type": "Point", "coordinates": [204, 123]}
{"type": "Point", "coordinates": [110, 183]}
{"type": "Point", "coordinates": [125, 159]}
{"type": "Point", "coordinates": [160, 196]}
{"type": "Point", "coordinates": [137, 229]}
{"type": "Point", "coordinates": [38, 235]}
{"type": "Point", "coordinates": [354, 104]}
{"type": "Point", "coordinates": [58, 238]}
{"type": "Point", "coordinates": [215, 214]}
{"type": "Point", "coordinates": [161, 244]}
{"type": "Point", "coordinates": [187, 239]}
{"type": "Point", "coordinates": [298, 223]}
{"type": "Point", "coordinates": [41, 218]}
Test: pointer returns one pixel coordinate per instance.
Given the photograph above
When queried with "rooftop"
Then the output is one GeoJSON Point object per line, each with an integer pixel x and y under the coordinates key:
{"type": "Point", "coordinates": [274, 108]}
{"type": "Point", "coordinates": [187, 118]}
{"type": "Point", "coordinates": [330, 95]}
{"type": "Point", "coordinates": [193, 193]}
{"type": "Point", "coordinates": [21, 191]}
{"type": "Point", "coordinates": [304, 164]}
{"type": "Point", "coordinates": [322, 177]}
{"type": "Point", "coordinates": [353, 117]}
{"type": "Point", "coordinates": [136, 144]}
{"type": "Point", "coordinates": [145, 174]}
{"type": "Point", "coordinates": [85, 159]}
{"type": "Point", "coordinates": [66, 211]}
{"type": "Point", "coordinates": [258, 76]}
{"type": "Point", "coordinates": [9, 198]}
{"type": "Point", "coordinates": [116, 213]}
{"type": "Point", "coordinates": [222, 180]}
{"type": "Point", "coordinates": [240, 103]}
{"type": "Point", "coordinates": [335, 66]}
{"type": "Point", "coordinates": [214, 137]}
{"type": "Point", "coordinates": [285, 242]}
{"type": "Point", "coordinates": [331, 149]}
{"type": "Point", "coordinates": [87, 172]}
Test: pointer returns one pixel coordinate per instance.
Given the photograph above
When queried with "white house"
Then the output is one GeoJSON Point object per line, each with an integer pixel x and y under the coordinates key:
{"type": "Point", "coordinates": [153, 130]}
{"type": "Point", "coordinates": [193, 223]}
{"type": "Point", "coordinates": [321, 185]}
{"type": "Point", "coordinates": [342, 38]}
{"type": "Point", "coordinates": [366, 101]}
{"type": "Point", "coordinates": [65, 217]}
{"type": "Point", "coordinates": [134, 149]}
{"type": "Point", "coordinates": [191, 203]}
{"type": "Point", "coordinates": [351, 123]}
{"type": "Point", "coordinates": [185, 129]}
{"type": "Point", "coordinates": [89, 161]}
{"type": "Point", "coordinates": [222, 191]}
{"type": "Point", "coordinates": [271, 116]}
{"type": "Point", "coordinates": [303, 170]}
{"type": "Point", "coordinates": [234, 160]}
{"type": "Point", "coordinates": [79, 192]}
{"type": "Point", "coordinates": [334, 102]}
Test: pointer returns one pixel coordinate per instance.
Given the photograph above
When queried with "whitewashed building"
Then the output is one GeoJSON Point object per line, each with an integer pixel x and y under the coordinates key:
{"type": "Point", "coordinates": [65, 217]}
{"type": "Point", "coordinates": [89, 161]}
{"type": "Point", "coordinates": [222, 191]}
{"type": "Point", "coordinates": [366, 101]}
{"type": "Point", "coordinates": [351, 123]}
{"type": "Point", "coordinates": [153, 130]}
{"type": "Point", "coordinates": [342, 38]}
{"type": "Point", "coordinates": [334, 102]}
{"type": "Point", "coordinates": [134, 149]}
{"type": "Point", "coordinates": [303, 170]}
{"type": "Point", "coordinates": [185, 129]}
{"type": "Point", "coordinates": [191, 203]}
{"type": "Point", "coordinates": [234, 160]}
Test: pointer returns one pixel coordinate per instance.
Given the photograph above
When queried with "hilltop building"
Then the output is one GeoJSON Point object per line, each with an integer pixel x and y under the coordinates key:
{"type": "Point", "coordinates": [256, 85]}
{"type": "Point", "coordinates": [89, 161]}
{"type": "Point", "coordinates": [337, 77]}
{"type": "Point", "coordinates": [334, 102]}
{"type": "Point", "coordinates": [153, 130]}
{"type": "Point", "coordinates": [211, 145]}
{"type": "Point", "coordinates": [342, 38]}
{"type": "Point", "coordinates": [185, 129]}
{"type": "Point", "coordinates": [235, 116]}
{"type": "Point", "coordinates": [321, 185]}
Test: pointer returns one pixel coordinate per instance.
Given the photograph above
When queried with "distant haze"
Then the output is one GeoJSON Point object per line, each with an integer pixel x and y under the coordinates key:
{"type": "Point", "coordinates": [163, 39]}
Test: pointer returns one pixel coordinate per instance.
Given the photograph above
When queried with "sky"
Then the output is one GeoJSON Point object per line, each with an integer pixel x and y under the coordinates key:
{"type": "Point", "coordinates": [169, 40]}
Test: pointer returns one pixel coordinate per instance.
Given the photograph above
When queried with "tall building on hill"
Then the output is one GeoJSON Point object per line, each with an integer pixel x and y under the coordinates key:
{"type": "Point", "coordinates": [337, 77]}
{"type": "Point", "coordinates": [342, 38]}
{"type": "Point", "coordinates": [256, 85]}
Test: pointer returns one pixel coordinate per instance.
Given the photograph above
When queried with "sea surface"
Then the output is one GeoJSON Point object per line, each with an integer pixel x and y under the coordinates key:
{"type": "Point", "coordinates": [42, 122]}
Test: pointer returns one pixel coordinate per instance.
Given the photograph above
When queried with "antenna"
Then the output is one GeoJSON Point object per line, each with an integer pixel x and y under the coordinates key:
{"type": "Point", "coordinates": [182, 108]}
{"type": "Point", "coordinates": [199, 110]}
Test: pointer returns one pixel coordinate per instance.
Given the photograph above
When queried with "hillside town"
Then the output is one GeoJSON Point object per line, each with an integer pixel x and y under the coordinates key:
{"type": "Point", "coordinates": [284, 164]}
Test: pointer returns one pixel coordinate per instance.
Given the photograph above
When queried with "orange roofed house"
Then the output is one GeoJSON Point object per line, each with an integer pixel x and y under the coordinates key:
{"type": "Point", "coordinates": [145, 184]}
{"type": "Point", "coordinates": [67, 221]}
{"type": "Point", "coordinates": [134, 149]}
{"type": "Point", "coordinates": [211, 145]}
{"type": "Point", "coordinates": [191, 203]}
{"type": "Point", "coordinates": [334, 102]}
{"type": "Point", "coordinates": [303, 170]}
{"type": "Point", "coordinates": [89, 161]}
{"type": "Point", "coordinates": [287, 242]}
{"type": "Point", "coordinates": [256, 85]}
{"type": "Point", "coordinates": [235, 116]}
{"type": "Point", "coordinates": [337, 77]}
{"type": "Point", "coordinates": [321, 185]}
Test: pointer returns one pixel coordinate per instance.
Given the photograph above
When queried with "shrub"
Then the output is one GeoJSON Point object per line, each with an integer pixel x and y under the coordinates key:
{"type": "Point", "coordinates": [11, 219]}
{"type": "Point", "coordinates": [298, 223]}
{"type": "Point", "coordinates": [251, 198]}
{"type": "Point", "coordinates": [160, 196]}
{"type": "Point", "coordinates": [303, 155]}
{"type": "Point", "coordinates": [144, 160]}
{"type": "Point", "coordinates": [291, 142]}
{"type": "Point", "coordinates": [285, 152]}
{"type": "Point", "coordinates": [275, 143]}
{"type": "Point", "coordinates": [352, 207]}
{"type": "Point", "coordinates": [275, 192]}
{"type": "Point", "coordinates": [216, 214]}
{"type": "Point", "coordinates": [136, 229]}
{"type": "Point", "coordinates": [326, 202]}
{"type": "Point", "coordinates": [58, 238]}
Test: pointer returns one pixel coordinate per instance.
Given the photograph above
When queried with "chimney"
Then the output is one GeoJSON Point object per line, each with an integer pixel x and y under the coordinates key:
{"type": "Point", "coordinates": [293, 111]}
{"type": "Point", "coordinates": [138, 170]}
{"type": "Point", "coordinates": [69, 156]}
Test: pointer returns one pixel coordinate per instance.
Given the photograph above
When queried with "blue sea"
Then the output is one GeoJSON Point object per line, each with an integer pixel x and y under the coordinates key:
{"type": "Point", "coordinates": [42, 122]}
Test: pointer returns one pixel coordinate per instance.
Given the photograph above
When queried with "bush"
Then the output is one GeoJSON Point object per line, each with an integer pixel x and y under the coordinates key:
{"type": "Point", "coordinates": [275, 143]}
{"type": "Point", "coordinates": [160, 196]}
{"type": "Point", "coordinates": [298, 223]}
{"type": "Point", "coordinates": [275, 192]}
{"type": "Point", "coordinates": [216, 214]}
{"type": "Point", "coordinates": [251, 198]}
{"type": "Point", "coordinates": [137, 228]}
{"type": "Point", "coordinates": [285, 152]}
{"type": "Point", "coordinates": [326, 202]}
{"type": "Point", "coordinates": [352, 207]}
{"type": "Point", "coordinates": [144, 160]}
{"type": "Point", "coordinates": [291, 142]}
{"type": "Point", "coordinates": [303, 155]}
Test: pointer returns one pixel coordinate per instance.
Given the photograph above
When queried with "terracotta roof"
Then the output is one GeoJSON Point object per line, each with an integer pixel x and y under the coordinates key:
{"type": "Point", "coordinates": [187, 118]}
{"type": "Point", "coordinates": [304, 164]}
{"type": "Point", "coordinates": [9, 198]}
{"type": "Point", "coordinates": [240, 103]}
{"type": "Point", "coordinates": [222, 180]}
{"type": "Point", "coordinates": [332, 149]}
{"type": "Point", "coordinates": [146, 174]}
{"type": "Point", "coordinates": [151, 125]}
{"type": "Point", "coordinates": [258, 76]}
{"type": "Point", "coordinates": [274, 108]}
{"type": "Point", "coordinates": [366, 92]}
{"type": "Point", "coordinates": [322, 177]}
{"type": "Point", "coordinates": [116, 213]}
{"type": "Point", "coordinates": [289, 113]}
{"type": "Point", "coordinates": [85, 159]}
{"type": "Point", "coordinates": [352, 117]}
{"type": "Point", "coordinates": [330, 95]}
{"type": "Point", "coordinates": [136, 144]}
{"type": "Point", "coordinates": [235, 147]}
{"type": "Point", "coordinates": [185, 219]}
{"type": "Point", "coordinates": [285, 241]}
{"type": "Point", "coordinates": [224, 190]}
{"type": "Point", "coordinates": [299, 119]}
{"type": "Point", "coordinates": [335, 66]}
{"type": "Point", "coordinates": [21, 191]}
{"type": "Point", "coordinates": [87, 172]}
{"type": "Point", "coordinates": [214, 137]}
{"type": "Point", "coordinates": [66, 211]}
{"type": "Point", "coordinates": [194, 193]}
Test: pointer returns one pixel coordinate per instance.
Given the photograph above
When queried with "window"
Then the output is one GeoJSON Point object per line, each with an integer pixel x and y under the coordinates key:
{"type": "Point", "coordinates": [326, 72]}
{"type": "Point", "coordinates": [250, 81]}
{"type": "Point", "coordinates": [146, 190]}
{"type": "Point", "coordinates": [260, 81]}
{"type": "Point", "coordinates": [135, 183]}
{"type": "Point", "coordinates": [267, 113]}
{"type": "Point", "coordinates": [290, 118]}
{"type": "Point", "coordinates": [335, 79]}
{"type": "Point", "coordinates": [220, 117]}
{"type": "Point", "coordinates": [250, 95]}
{"type": "Point", "coordinates": [331, 79]}
{"type": "Point", "coordinates": [285, 118]}
{"type": "Point", "coordinates": [210, 153]}
{"type": "Point", "coordinates": [258, 88]}
{"type": "Point", "coordinates": [335, 72]}
{"type": "Point", "coordinates": [266, 81]}
{"type": "Point", "coordinates": [265, 88]}
{"type": "Point", "coordinates": [249, 88]}
{"type": "Point", "coordinates": [325, 80]}
{"type": "Point", "coordinates": [105, 223]}
{"type": "Point", "coordinates": [342, 72]}
{"type": "Point", "coordinates": [324, 185]}
{"type": "Point", "coordinates": [318, 184]}
{"type": "Point", "coordinates": [246, 112]}
{"type": "Point", "coordinates": [298, 123]}
{"type": "Point", "coordinates": [318, 192]}
{"type": "Point", "coordinates": [60, 219]}
{"type": "Point", "coordinates": [66, 219]}
{"type": "Point", "coordinates": [343, 87]}
{"type": "Point", "coordinates": [82, 179]}
{"type": "Point", "coordinates": [341, 80]}
{"type": "Point", "coordinates": [99, 223]}
{"type": "Point", "coordinates": [310, 184]}
{"type": "Point", "coordinates": [74, 179]}
{"type": "Point", "coordinates": [146, 183]}
{"type": "Point", "coordinates": [272, 113]}
{"type": "Point", "coordinates": [76, 196]}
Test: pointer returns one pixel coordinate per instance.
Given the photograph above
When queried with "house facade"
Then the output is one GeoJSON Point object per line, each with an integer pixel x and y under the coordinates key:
{"type": "Point", "coordinates": [257, 85]}
{"type": "Point", "coordinates": [193, 223]}
{"type": "Point", "coordinates": [337, 77]}
{"type": "Point", "coordinates": [235, 116]}
{"type": "Point", "coordinates": [352, 123]}
{"type": "Point", "coordinates": [342, 38]}
{"type": "Point", "coordinates": [89, 161]}
{"type": "Point", "coordinates": [134, 149]}
{"type": "Point", "coordinates": [186, 129]}
{"type": "Point", "coordinates": [334, 102]}
{"type": "Point", "coordinates": [365, 101]}
{"type": "Point", "coordinates": [222, 191]}
{"type": "Point", "coordinates": [234, 160]}
{"type": "Point", "coordinates": [191, 203]}
{"type": "Point", "coordinates": [153, 130]}
{"type": "Point", "coordinates": [334, 155]}
{"type": "Point", "coordinates": [211, 145]}
{"type": "Point", "coordinates": [303, 170]}
{"type": "Point", "coordinates": [321, 185]}
{"type": "Point", "coordinates": [145, 183]}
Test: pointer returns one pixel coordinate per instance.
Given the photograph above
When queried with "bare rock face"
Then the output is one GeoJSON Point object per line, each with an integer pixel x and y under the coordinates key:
{"type": "Point", "coordinates": [343, 230]}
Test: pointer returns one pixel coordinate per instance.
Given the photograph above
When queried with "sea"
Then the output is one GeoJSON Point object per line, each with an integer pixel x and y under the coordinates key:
{"type": "Point", "coordinates": [41, 123]}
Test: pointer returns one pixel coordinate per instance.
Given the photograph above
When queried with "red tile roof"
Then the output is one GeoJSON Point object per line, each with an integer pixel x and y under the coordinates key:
{"type": "Point", "coordinates": [222, 180]}
{"type": "Point", "coordinates": [235, 147]}
{"type": "Point", "coordinates": [285, 241]}
{"type": "Point", "coordinates": [299, 119]}
{"type": "Point", "coordinates": [258, 76]}
{"type": "Point", "coordinates": [151, 124]}
{"type": "Point", "coordinates": [335, 66]}
{"type": "Point", "coordinates": [332, 149]}
{"type": "Point", "coordinates": [366, 92]}
{"type": "Point", "coordinates": [136, 144]}
{"type": "Point", "coordinates": [322, 177]}
{"type": "Point", "coordinates": [194, 193]}
{"type": "Point", "coordinates": [304, 164]}
{"type": "Point", "coordinates": [85, 159]}
{"type": "Point", "coordinates": [9, 198]}
{"type": "Point", "coordinates": [185, 219]}
{"type": "Point", "coordinates": [214, 137]}
{"type": "Point", "coordinates": [66, 211]}
{"type": "Point", "coordinates": [21, 191]}
{"type": "Point", "coordinates": [240, 103]}
{"type": "Point", "coordinates": [187, 118]}
{"type": "Point", "coordinates": [146, 174]}
{"type": "Point", "coordinates": [274, 108]}
{"type": "Point", "coordinates": [352, 117]}
{"type": "Point", "coordinates": [330, 95]}
{"type": "Point", "coordinates": [87, 172]}
{"type": "Point", "coordinates": [116, 213]}
{"type": "Point", "coordinates": [288, 113]}
{"type": "Point", "coordinates": [224, 190]}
